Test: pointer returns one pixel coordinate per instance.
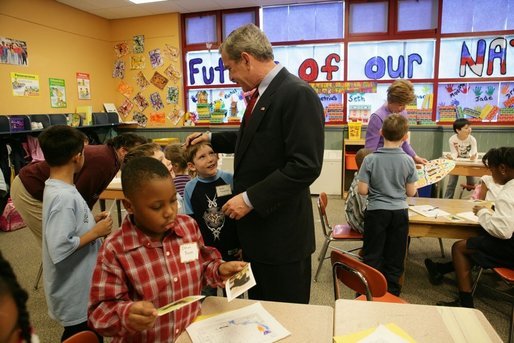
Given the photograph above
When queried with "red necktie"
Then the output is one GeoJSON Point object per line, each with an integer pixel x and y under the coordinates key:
{"type": "Point", "coordinates": [250, 106]}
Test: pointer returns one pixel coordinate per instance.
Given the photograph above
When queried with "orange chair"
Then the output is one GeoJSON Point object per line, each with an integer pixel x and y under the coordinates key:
{"type": "Point", "coordinates": [340, 232]}
{"type": "Point", "coordinates": [507, 275]}
{"type": "Point", "coordinates": [361, 278]}
{"type": "Point", "coordinates": [82, 337]}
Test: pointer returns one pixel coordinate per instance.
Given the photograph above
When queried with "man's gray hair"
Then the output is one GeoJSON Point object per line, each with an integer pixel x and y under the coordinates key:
{"type": "Point", "coordinates": [250, 39]}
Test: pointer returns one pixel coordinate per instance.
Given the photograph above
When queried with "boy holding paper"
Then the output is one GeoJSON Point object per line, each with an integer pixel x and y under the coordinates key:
{"type": "Point", "coordinates": [157, 257]}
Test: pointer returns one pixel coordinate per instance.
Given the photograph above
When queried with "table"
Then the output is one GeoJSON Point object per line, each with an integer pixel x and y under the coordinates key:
{"type": "Point", "coordinates": [307, 323]}
{"type": "Point", "coordinates": [424, 323]}
{"type": "Point", "coordinates": [470, 168]}
{"type": "Point", "coordinates": [442, 227]}
{"type": "Point", "coordinates": [114, 192]}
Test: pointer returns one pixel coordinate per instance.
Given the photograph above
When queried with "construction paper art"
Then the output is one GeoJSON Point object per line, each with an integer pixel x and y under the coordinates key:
{"type": "Point", "coordinates": [156, 101]}
{"type": "Point", "coordinates": [140, 118]}
{"type": "Point", "coordinates": [140, 101]}
{"type": "Point", "coordinates": [118, 70]}
{"type": "Point", "coordinates": [155, 58]}
{"type": "Point", "coordinates": [121, 49]}
{"type": "Point", "coordinates": [159, 81]}
{"type": "Point", "coordinates": [125, 89]}
{"type": "Point", "coordinates": [138, 44]}
{"type": "Point", "coordinates": [137, 62]}
{"type": "Point", "coordinates": [125, 108]}
{"type": "Point", "coordinates": [172, 96]}
{"type": "Point", "coordinates": [141, 80]}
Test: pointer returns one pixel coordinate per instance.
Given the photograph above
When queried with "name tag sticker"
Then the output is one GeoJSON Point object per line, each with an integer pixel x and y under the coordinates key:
{"type": "Point", "coordinates": [188, 252]}
{"type": "Point", "coordinates": [223, 190]}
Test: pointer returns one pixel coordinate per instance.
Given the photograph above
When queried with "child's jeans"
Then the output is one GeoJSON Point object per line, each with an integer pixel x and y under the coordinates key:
{"type": "Point", "coordinates": [452, 184]}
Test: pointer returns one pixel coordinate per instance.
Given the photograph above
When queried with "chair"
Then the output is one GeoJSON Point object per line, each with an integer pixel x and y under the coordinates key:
{"type": "Point", "coordinates": [465, 187]}
{"type": "Point", "coordinates": [82, 337]}
{"type": "Point", "coordinates": [361, 278]}
{"type": "Point", "coordinates": [340, 232]}
{"type": "Point", "coordinates": [38, 276]}
{"type": "Point", "coordinates": [507, 275]}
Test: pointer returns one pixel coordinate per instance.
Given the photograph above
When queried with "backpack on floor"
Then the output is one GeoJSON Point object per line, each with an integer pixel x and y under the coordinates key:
{"type": "Point", "coordinates": [10, 219]}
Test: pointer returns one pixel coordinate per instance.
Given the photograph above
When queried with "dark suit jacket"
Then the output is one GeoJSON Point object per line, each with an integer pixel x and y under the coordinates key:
{"type": "Point", "coordinates": [277, 156]}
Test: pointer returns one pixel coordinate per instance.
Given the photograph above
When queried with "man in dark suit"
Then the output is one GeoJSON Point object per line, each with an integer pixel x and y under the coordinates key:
{"type": "Point", "coordinates": [278, 154]}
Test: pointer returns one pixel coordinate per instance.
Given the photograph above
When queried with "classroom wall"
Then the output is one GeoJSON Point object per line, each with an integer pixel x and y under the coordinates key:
{"type": "Point", "coordinates": [160, 32]}
{"type": "Point", "coordinates": [61, 42]}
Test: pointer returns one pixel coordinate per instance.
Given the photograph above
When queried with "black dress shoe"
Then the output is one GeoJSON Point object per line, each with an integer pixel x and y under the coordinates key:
{"type": "Point", "coordinates": [434, 276]}
{"type": "Point", "coordinates": [454, 303]}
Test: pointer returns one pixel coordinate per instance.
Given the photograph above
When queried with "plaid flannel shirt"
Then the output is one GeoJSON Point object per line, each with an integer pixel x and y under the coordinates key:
{"type": "Point", "coordinates": [131, 267]}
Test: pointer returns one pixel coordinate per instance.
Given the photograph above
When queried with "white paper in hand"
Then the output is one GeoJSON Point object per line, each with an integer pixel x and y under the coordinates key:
{"type": "Point", "coordinates": [173, 306]}
{"type": "Point", "coordinates": [240, 283]}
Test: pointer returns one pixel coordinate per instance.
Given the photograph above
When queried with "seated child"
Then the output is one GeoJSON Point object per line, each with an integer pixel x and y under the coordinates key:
{"type": "Point", "coordinates": [205, 195]}
{"type": "Point", "coordinates": [495, 247]}
{"type": "Point", "coordinates": [388, 177]}
{"type": "Point", "coordinates": [488, 189]}
{"type": "Point", "coordinates": [157, 257]}
{"type": "Point", "coordinates": [70, 232]}
{"type": "Point", "coordinates": [175, 153]}
{"type": "Point", "coordinates": [462, 145]}
{"type": "Point", "coordinates": [14, 317]}
{"type": "Point", "coordinates": [355, 204]}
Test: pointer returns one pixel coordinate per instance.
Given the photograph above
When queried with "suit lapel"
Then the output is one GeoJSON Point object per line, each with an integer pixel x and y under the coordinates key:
{"type": "Point", "coordinates": [247, 133]}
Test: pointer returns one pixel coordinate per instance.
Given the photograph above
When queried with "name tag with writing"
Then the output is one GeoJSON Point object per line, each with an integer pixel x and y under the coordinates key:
{"type": "Point", "coordinates": [223, 190]}
{"type": "Point", "coordinates": [188, 252]}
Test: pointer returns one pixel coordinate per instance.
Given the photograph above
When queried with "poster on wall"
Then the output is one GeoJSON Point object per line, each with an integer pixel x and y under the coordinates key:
{"type": "Point", "coordinates": [25, 84]}
{"type": "Point", "coordinates": [57, 93]}
{"type": "Point", "coordinates": [13, 51]}
{"type": "Point", "coordinates": [84, 87]}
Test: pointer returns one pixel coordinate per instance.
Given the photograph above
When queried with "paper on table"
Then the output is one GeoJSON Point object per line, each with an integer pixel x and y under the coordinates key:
{"type": "Point", "coordinates": [468, 216]}
{"type": "Point", "coordinates": [175, 305]}
{"type": "Point", "coordinates": [383, 334]}
{"type": "Point", "coordinates": [428, 211]}
{"type": "Point", "coordinates": [240, 283]}
{"type": "Point", "coordinates": [250, 324]}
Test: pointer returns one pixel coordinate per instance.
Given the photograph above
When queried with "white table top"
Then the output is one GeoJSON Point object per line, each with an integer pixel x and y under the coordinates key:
{"type": "Point", "coordinates": [424, 323]}
{"type": "Point", "coordinates": [307, 323]}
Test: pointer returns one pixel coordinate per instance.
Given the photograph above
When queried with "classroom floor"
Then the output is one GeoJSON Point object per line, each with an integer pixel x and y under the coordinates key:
{"type": "Point", "coordinates": [20, 248]}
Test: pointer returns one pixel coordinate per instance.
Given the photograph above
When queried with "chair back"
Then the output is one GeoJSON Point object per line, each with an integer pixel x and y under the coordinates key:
{"type": "Point", "coordinates": [356, 275]}
{"type": "Point", "coordinates": [322, 210]}
{"type": "Point", "coordinates": [82, 337]}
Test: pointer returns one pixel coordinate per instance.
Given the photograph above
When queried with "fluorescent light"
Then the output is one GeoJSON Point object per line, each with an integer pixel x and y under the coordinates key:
{"type": "Point", "coordinates": [144, 1]}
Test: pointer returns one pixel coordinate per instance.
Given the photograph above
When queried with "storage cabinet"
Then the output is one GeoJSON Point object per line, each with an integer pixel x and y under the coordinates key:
{"type": "Point", "coordinates": [12, 124]}
{"type": "Point", "coordinates": [350, 148]}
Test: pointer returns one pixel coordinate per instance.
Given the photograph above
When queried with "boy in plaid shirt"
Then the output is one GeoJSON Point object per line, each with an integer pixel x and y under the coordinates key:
{"type": "Point", "coordinates": [157, 257]}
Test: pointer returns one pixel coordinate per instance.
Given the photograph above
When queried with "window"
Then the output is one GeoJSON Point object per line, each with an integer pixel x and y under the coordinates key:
{"type": "Point", "coordinates": [463, 16]}
{"type": "Point", "coordinates": [386, 40]}
{"type": "Point", "coordinates": [201, 29]}
{"type": "Point", "coordinates": [412, 59]}
{"type": "Point", "coordinates": [417, 15]}
{"type": "Point", "coordinates": [232, 21]}
{"type": "Point", "coordinates": [369, 17]}
{"type": "Point", "coordinates": [311, 22]}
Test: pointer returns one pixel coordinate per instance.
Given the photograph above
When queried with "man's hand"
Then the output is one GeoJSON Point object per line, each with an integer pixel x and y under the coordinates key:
{"type": "Point", "coordinates": [141, 315]}
{"type": "Point", "coordinates": [196, 138]}
{"type": "Point", "coordinates": [236, 208]}
{"type": "Point", "coordinates": [228, 269]}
